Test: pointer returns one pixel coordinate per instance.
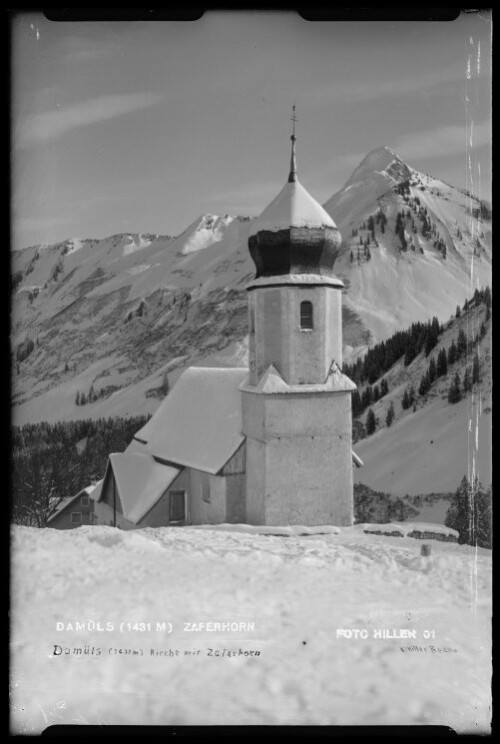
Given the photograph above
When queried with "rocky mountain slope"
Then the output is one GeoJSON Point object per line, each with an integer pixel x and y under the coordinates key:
{"type": "Point", "coordinates": [428, 246]}
{"type": "Point", "coordinates": [111, 317]}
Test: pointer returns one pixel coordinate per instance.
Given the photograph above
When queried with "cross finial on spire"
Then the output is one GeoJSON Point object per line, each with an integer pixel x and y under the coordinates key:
{"type": "Point", "coordinates": [293, 119]}
{"type": "Point", "coordinates": [293, 162]}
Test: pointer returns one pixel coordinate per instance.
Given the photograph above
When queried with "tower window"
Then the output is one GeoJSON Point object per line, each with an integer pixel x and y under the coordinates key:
{"type": "Point", "coordinates": [306, 315]}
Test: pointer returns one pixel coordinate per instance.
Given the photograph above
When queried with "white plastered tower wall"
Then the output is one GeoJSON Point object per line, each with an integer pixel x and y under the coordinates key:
{"type": "Point", "coordinates": [299, 467]}
{"type": "Point", "coordinates": [296, 403]}
{"type": "Point", "coordinates": [301, 356]}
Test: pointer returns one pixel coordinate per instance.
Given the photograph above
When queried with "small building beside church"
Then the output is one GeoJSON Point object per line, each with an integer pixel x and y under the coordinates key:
{"type": "Point", "coordinates": [74, 511]}
{"type": "Point", "coordinates": [267, 445]}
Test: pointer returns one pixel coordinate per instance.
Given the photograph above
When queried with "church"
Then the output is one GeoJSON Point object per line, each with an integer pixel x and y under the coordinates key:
{"type": "Point", "coordinates": [267, 445]}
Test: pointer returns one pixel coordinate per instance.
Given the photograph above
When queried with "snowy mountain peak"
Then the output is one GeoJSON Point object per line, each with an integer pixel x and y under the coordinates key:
{"type": "Point", "coordinates": [379, 158]}
{"type": "Point", "coordinates": [213, 221]}
{"type": "Point", "coordinates": [384, 161]}
{"type": "Point", "coordinates": [204, 232]}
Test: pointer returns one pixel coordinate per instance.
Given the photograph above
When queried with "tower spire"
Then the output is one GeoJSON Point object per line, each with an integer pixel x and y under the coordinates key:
{"type": "Point", "coordinates": [293, 161]}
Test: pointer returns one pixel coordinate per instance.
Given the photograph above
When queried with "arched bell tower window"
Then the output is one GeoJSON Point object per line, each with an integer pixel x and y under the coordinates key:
{"type": "Point", "coordinates": [306, 315]}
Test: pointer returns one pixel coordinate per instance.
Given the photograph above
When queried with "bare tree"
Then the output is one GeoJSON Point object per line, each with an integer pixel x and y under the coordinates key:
{"type": "Point", "coordinates": [42, 489]}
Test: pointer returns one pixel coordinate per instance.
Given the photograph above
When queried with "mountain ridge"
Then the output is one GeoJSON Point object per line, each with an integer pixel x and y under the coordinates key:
{"type": "Point", "coordinates": [116, 312]}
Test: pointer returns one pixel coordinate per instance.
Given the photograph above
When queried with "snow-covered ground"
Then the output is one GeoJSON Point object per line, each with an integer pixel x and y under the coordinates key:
{"type": "Point", "coordinates": [431, 450]}
{"type": "Point", "coordinates": [297, 591]}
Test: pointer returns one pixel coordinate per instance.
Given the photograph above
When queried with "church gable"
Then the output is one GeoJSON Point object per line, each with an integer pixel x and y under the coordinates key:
{"type": "Point", "coordinates": [134, 483]}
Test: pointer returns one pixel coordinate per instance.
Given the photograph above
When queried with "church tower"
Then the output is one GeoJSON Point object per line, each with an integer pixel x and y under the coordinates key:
{"type": "Point", "coordinates": [296, 402]}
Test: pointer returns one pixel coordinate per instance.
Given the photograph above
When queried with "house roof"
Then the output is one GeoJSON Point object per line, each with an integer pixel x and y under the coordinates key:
{"type": "Point", "coordinates": [87, 491]}
{"type": "Point", "coordinates": [199, 423]}
{"type": "Point", "coordinates": [95, 490]}
{"type": "Point", "coordinates": [62, 506]}
{"type": "Point", "coordinates": [136, 446]}
{"type": "Point", "coordinates": [141, 481]}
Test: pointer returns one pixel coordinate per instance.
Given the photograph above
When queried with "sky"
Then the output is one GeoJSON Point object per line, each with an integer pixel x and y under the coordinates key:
{"type": "Point", "coordinates": [143, 126]}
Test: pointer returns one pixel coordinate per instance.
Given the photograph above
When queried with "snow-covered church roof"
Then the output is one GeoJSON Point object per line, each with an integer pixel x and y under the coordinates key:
{"type": "Point", "coordinates": [199, 423]}
{"type": "Point", "coordinates": [292, 207]}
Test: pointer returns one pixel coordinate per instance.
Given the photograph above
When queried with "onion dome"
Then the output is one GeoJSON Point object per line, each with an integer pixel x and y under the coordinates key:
{"type": "Point", "coordinates": [294, 234]}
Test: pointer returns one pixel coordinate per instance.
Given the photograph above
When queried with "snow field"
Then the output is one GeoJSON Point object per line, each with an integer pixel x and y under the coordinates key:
{"type": "Point", "coordinates": [297, 591]}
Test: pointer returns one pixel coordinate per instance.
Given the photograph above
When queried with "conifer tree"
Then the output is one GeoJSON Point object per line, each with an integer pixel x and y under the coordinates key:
{"type": "Point", "coordinates": [405, 403]}
{"type": "Point", "coordinates": [454, 393]}
{"type": "Point", "coordinates": [384, 388]}
{"type": "Point", "coordinates": [366, 398]}
{"type": "Point", "coordinates": [165, 387]}
{"type": "Point", "coordinates": [487, 301]}
{"type": "Point", "coordinates": [409, 353]}
{"type": "Point", "coordinates": [432, 370]}
{"type": "Point", "coordinates": [470, 514]}
{"type": "Point", "coordinates": [452, 354]}
{"type": "Point", "coordinates": [390, 415]}
{"type": "Point", "coordinates": [475, 369]}
{"type": "Point", "coordinates": [77, 399]}
{"type": "Point", "coordinates": [424, 384]}
{"type": "Point", "coordinates": [461, 343]}
{"type": "Point", "coordinates": [466, 384]}
{"type": "Point", "coordinates": [355, 404]}
{"type": "Point", "coordinates": [442, 364]}
{"type": "Point", "coordinates": [371, 422]}
{"type": "Point", "coordinates": [458, 312]}
{"type": "Point", "coordinates": [432, 335]}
